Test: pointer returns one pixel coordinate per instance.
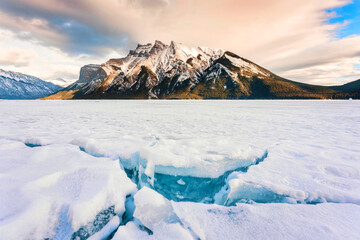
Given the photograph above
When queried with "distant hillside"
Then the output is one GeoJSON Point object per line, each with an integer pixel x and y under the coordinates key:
{"type": "Point", "coordinates": [348, 90]}
{"type": "Point", "coordinates": [351, 86]}
{"type": "Point", "coordinates": [161, 71]}
{"type": "Point", "coordinates": [15, 85]}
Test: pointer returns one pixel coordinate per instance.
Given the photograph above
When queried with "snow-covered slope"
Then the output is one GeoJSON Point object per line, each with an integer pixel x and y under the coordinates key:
{"type": "Point", "coordinates": [14, 85]}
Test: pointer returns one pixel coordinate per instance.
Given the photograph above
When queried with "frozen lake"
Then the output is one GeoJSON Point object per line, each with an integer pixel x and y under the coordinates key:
{"type": "Point", "coordinates": [180, 169]}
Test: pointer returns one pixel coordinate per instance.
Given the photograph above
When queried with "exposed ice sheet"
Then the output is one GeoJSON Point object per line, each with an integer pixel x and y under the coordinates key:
{"type": "Point", "coordinates": [312, 156]}
{"type": "Point", "coordinates": [106, 231]}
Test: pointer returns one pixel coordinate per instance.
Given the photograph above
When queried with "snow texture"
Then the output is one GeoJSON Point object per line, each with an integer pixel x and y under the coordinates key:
{"type": "Point", "coordinates": [145, 169]}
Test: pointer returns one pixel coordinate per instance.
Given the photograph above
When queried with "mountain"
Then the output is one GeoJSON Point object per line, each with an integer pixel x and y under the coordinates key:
{"type": "Point", "coordinates": [176, 71]}
{"type": "Point", "coordinates": [351, 89]}
{"type": "Point", "coordinates": [15, 85]}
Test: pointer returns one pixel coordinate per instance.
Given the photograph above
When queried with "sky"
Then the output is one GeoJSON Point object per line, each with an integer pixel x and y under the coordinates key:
{"type": "Point", "coordinates": [311, 41]}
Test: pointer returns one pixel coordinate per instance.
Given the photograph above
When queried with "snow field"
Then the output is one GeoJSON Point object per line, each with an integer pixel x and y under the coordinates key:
{"type": "Point", "coordinates": [144, 169]}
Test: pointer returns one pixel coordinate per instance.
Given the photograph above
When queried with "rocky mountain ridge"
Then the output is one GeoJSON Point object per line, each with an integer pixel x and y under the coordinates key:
{"type": "Point", "coordinates": [14, 85]}
{"type": "Point", "coordinates": [159, 71]}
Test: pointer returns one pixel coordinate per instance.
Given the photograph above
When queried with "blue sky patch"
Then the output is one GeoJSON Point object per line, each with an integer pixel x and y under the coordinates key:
{"type": "Point", "coordinates": [85, 39]}
{"type": "Point", "coordinates": [348, 13]}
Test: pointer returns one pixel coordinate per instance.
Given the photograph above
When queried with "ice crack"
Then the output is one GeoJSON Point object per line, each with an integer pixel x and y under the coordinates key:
{"type": "Point", "coordinates": [183, 188]}
{"type": "Point", "coordinates": [177, 187]}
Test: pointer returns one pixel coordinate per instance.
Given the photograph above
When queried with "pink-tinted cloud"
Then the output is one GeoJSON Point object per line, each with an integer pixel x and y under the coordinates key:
{"type": "Point", "coordinates": [285, 36]}
{"type": "Point", "coordinates": [15, 57]}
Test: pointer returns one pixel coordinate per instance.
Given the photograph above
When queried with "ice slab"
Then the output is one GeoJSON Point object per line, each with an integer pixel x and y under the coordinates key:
{"type": "Point", "coordinates": [156, 213]}
{"type": "Point", "coordinates": [51, 191]}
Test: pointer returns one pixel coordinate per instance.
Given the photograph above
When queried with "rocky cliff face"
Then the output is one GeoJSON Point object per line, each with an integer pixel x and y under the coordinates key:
{"type": "Point", "coordinates": [176, 71]}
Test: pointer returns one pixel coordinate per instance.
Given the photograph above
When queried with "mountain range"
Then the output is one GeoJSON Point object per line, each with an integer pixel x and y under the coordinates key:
{"type": "Point", "coordinates": [174, 71]}
{"type": "Point", "coordinates": [161, 71]}
{"type": "Point", "coordinates": [14, 85]}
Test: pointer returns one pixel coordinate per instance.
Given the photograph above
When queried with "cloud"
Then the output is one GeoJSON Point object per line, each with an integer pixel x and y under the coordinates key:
{"type": "Point", "coordinates": [61, 32]}
{"type": "Point", "coordinates": [287, 37]}
{"type": "Point", "coordinates": [331, 63]}
{"type": "Point", "coordinates": [15, 57]}
{"type": "Point", "coordinates": [35, 29]}
{"type": "Point", "coordinates": [42, 61]}
{"type": "Point", "coordinates": [333, 73]}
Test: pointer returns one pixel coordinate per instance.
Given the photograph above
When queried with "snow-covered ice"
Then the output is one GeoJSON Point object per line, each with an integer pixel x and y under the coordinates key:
{"type": "Point", "coordinates": [179, 169]}
{"type": "Point", "coordinates": [52, 191]}
{"type": "Point", "coordinates": [271, 221]}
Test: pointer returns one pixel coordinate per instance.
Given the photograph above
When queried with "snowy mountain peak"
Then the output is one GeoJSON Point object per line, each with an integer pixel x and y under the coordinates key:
{"type": "Point", "coordinates": [159, 43]}
{"type": "Point", "coordinates": [14, 85]}
{"type": "Point", "coordinates": [157, 47]}
{"type": "Point", "coordinates": [141, 50]}
{"type": "Point", "coordinates": [159, 70]}
{"type": "Point", "coordinates": [18, 76]}
{"type": "Point", "coordinates": [155, 70]}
